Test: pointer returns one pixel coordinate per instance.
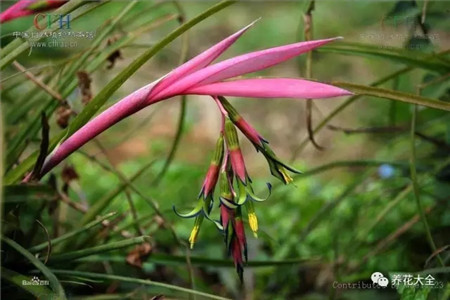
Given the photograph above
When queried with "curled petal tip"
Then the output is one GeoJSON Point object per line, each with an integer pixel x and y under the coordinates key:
{"type": "Point", "coordinates": [193, 213]}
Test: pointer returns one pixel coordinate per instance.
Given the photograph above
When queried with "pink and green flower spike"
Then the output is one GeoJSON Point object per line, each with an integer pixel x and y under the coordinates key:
{"type": "Point", "coordinates": [199, 76]}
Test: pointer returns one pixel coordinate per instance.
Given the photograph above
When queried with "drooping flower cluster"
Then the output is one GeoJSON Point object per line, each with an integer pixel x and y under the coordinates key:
{"type": "Point", "coordinates": [198, 76]}
{"type": "Point", "coordinates": [236, 189]}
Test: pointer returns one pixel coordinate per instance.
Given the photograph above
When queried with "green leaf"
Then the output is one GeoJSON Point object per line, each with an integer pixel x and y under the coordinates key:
{"type": "Point", "coordinates": [39, 291]}
{"type": "Point", "coordinates": [23, 193]}
{"type": "Point", "coordinates": [393, 95]}
{"type": "Point", "coordinates": [167, 259]}
{"type": "Point", "coordinates": [54, 283]}
{"type": "Point", "coordinates": [410, 58]}
{"type": "Point", "coordinates": [71, 234]}
{"type": "Point", "coordinates": [194, 212]}
{"type": "Point", "coordinates": [137, 281]}
{"type": "Point", "coordinates": [65, 257]}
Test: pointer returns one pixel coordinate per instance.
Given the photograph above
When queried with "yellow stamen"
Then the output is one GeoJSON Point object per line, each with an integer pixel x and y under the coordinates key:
{"type": "Point", "coordinates": [288, 179]}
{"type": "Point", "coordinates": [253, 221]}
{"type": "Point", "coordinates": [195, 230]}
{"type": "Point", "coordinates": [194, 235]}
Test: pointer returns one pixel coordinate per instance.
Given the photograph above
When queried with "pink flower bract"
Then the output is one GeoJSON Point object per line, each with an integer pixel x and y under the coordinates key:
{"type": "Point", "coordinates": [197, 76]}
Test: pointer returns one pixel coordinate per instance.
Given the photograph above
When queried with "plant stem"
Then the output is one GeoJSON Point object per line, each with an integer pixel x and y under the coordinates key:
{"type": "Point", "coordinates": [416, 185]}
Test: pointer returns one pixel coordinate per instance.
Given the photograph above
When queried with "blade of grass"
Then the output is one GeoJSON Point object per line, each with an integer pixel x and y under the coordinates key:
{"type": "Point", "coordinates": [101, 38]}
{"type": "Point", "coordinates": [348, 164]}
{"type": "Point", "coordinates": [416, 188]}
{"type": "Point", "coordinates": [71, 234]}
{"type": "Point", "coordinates": [54, 283]}
{"type": "Point", "coordinates": [68, 256]}
{"type": "Point", "coordinates": [165, 259]}
{"type": "Point", "coordinates": [393, 95]}
{"type": "Point", "coordinates": [408, 57]}
{"type": "Point", "coordinates": [39, 291]}
{"type": "Point", "coordinates": [136, 281]}
{"type": "Point", "coordinates": [21, 193]}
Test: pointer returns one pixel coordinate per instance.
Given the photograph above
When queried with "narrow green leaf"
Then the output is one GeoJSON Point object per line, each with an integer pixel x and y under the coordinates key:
{"type": "Point", "coordinates": [23, 193]}
{"type": "Point", "coordinates": [54, 283]}
{"type": "Point", "coordinates": [410, 58]}
{"type": "Point", "coordinates": [166, 259]}
{"type": "Point", "coordinates": [65, 257]}
{"type": "Point", "coordinates": [416, 188]}
{"type": "Point", "coordinates": [137, 281]}
{"type": "Point", "coordinates": [393, 95]}
{"type": "Point", "coordinates": [71, 234]}
{"type": "Point", "coordinates": [101, 37]}
{"type": "Point", "coordinates": [39, 291]}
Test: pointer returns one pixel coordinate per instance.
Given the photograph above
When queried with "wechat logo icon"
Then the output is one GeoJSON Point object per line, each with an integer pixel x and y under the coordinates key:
{"type": "Point", "coordinates": [378, 278]}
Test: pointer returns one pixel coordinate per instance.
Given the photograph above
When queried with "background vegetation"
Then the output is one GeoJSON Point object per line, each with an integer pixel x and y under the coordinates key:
{"type": "Point", "coordinates": [374, 192]}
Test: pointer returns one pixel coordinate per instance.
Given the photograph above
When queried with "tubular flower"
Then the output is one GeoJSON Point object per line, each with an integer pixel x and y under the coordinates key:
{"type": "Point", "coordinates": [28, 7]}
{"type": "Point", "coordinates": [236, 158]}
{"type": "Point", "coordinates": [238, 245]}
{"type": "Point", "coordinates": [231, 224]}
{"type": "Point", "coordinates": [277, 167]}
{"type": "Point", "coordinates": [238, 165]}
{"type": "Point", "coordinates": [252, 219]}
{"type": "Point", "coordinates": [205, 198]}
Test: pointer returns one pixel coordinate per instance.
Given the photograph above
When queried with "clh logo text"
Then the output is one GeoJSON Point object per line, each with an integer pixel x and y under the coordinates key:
{"type": "Point", "coordinates": [55, 21]}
